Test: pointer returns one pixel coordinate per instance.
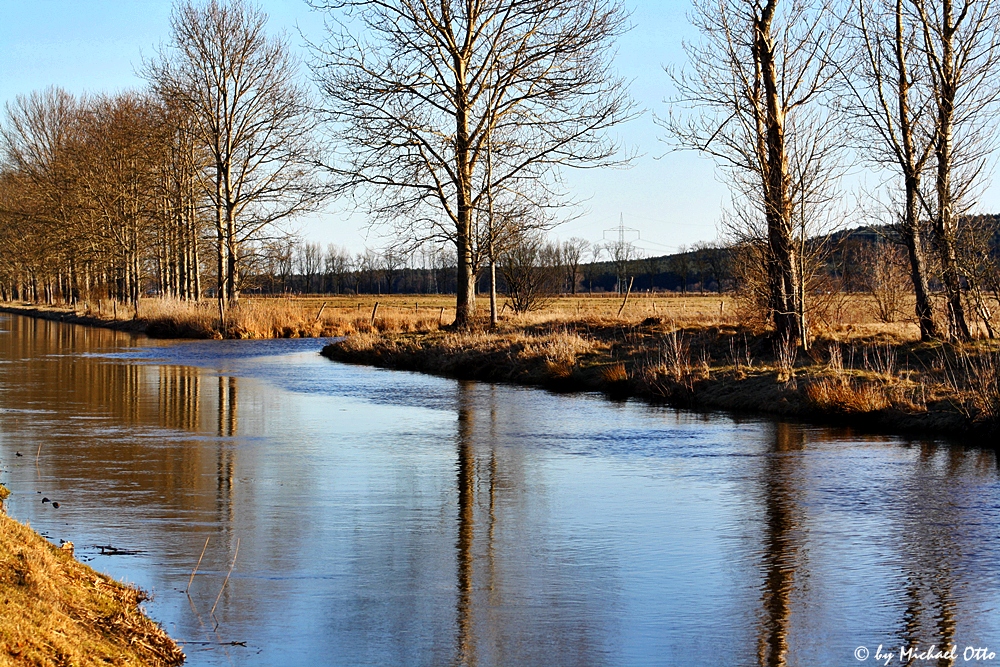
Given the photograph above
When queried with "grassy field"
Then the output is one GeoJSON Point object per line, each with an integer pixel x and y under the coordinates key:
{"type": "Point", "coordinates": [842, 317]}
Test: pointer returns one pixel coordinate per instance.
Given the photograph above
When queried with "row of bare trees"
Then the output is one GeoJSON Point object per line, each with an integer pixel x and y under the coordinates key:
{"type": "Point", "coordinates": [114, 195]}
{"type": "Point", "coordinates": [449, 120]}
{"type": "Point", "coordinates": [95, 193]}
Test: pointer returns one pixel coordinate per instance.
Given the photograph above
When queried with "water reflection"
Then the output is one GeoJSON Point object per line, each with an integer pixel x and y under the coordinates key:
{"type": "Point", "coordinates": [516, 601]}
{"type": "Point", "coordinates": [930, 614]}
{"type": "Point", "coordinates": [179, 397]}
{"type": "Point", "coordinates": [466, 487]}
{"type": "Point", "coordinates": [778, 476]}
{"type": "Point", "coordinates": [376, 518]}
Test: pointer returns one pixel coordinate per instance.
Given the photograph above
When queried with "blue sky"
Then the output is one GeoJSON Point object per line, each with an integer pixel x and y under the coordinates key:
{"type": "Point", "coordinates": [673, 199]}
{"type": "Point", "coordinates": [97, 45]}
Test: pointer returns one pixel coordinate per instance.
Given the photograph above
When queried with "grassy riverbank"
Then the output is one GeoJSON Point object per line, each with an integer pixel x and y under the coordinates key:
{"type": "Point", "coordinates": [308, 317]}
{"type": "Point", "coordinates": [57, 611]}
{"type": "Point", "coordinates": [876, 380]}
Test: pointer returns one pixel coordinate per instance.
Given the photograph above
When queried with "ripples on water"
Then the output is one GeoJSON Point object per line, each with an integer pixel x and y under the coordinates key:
{"type": "Point", "coordinates": [387, 518]}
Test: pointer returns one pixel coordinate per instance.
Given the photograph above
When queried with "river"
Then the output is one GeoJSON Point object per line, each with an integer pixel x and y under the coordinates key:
{"type": "Point", "coordinates": [374, 517]}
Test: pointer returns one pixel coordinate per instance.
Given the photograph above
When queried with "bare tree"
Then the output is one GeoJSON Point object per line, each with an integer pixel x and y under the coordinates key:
{"type": "Point", "coordinates": [416, 99]}
{"type": "Point", "coordinates": [962, 52]}
{"type": "Point", "coordinates": [239, 88]}
{"type": "Point", "coordinates": [883, 275]}
{"type": "Point", "coordinates": [530, 268]}
{"type": "Point", "coordinates": [622, 253]}
{"type": "Point", "coordinates": [750, 99]}
{"type": "Point", "coordinates": [892, 117]}
{"type": "Point", "coordinates": [572, 252]}
{"type": "Point", "coordinates": [337, 264]}
{"type": "Point", "coordinates": [392, 262]}
{"type": "Point", "coordinates": [591, 269]}
{"type": "Point", "coordinates": [310, 260]}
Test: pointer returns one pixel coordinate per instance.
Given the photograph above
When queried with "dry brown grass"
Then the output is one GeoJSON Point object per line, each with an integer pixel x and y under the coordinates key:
{"type": "Point", "coordinates": [57, 611]}
{"type": "Point", "coordinates": [845, 317]}
{"type": "Point", "coordinates": [888, 377]}
{"type": "Point", "coordinates": [842, 395]}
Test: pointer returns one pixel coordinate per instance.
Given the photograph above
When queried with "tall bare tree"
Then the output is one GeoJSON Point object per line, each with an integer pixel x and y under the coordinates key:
{"type": "Point", "coordinates": [240, 90]}
{"type": "Point", "coordinates": [893, 117]}
{"type": "Point", "coordinates": [419, 89]}
{"type": "Point", "coordinates": [749, 97]}
{"type": "Point", "coordinates": [572, 252]}
{"type": "Point", "coordinates": [961, 44]}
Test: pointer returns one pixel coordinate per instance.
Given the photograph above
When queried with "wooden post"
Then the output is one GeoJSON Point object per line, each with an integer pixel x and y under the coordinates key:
{"type": "Point", "coordinates": [374, 313]}
{"type": "Point", "coordinates": [441, 316]}
{"type": "Point", "coordinates": [627, 292]}
{"type": "Point", "coordinates": [320, 313]}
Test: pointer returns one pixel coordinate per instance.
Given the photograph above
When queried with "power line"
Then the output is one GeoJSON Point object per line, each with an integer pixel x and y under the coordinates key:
{"type": "Point", "coordinates": [622, 231]}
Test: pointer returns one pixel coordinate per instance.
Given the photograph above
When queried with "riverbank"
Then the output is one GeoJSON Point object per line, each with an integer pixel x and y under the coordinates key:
{"type": "Point", "coordinates": [58, 611]}
{"type": "Point", "coordinates": [309, 317]}
{"type": "Point", "coordinates": [875, 381]}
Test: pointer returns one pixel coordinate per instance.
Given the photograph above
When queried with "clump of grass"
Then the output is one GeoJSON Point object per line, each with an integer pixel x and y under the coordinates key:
{"type": "Point", "coordinates": [842, 395]}
{"type": "Point", "coordinates": [57, 611]}
{"type": "Point", "coordinates": [785, 354]}
{"type": "Point", "coordinates": [614, 373]}
{"type": "Point", "coordinates": [676, 356]}
{"type": "Point", "coordinates": [973, 382]}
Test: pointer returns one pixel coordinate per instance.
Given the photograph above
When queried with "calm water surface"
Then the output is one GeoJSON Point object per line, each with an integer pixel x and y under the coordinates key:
{"type": "Point", "coordinates": [373, 517]}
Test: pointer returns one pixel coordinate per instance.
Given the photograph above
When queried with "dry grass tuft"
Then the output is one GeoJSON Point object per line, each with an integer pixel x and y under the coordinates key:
{"type": "Point", "coordinates": [614, 373]}
{"type": "Point", "coordinates": [840, 395]}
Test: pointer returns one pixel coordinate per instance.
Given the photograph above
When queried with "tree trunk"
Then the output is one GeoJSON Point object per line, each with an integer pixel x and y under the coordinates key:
{"type": "Point", "coordinates": [232, 256]}
{"type": "Point", "coordinates": [918, 263]}
{"type": "Point", "coordinates": [220, 231]}
{"type": "Point", "coordinates": [945, 223]}
{"type": "Point", "coordinates": [781, 245]}
{"type": "Point", "coordinates": [465, 302]}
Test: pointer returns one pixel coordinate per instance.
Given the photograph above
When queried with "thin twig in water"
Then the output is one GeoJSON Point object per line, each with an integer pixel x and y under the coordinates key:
{"type": "Point", "coordinates": [226, 581]}
{"type": "Point", "coordinates": [195, 570]}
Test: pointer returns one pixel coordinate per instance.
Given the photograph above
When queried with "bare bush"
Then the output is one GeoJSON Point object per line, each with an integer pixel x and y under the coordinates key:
{"type": "Point", "coordinates": [884, 277]}
{"type": "Point", "coordinates": [530, 270]}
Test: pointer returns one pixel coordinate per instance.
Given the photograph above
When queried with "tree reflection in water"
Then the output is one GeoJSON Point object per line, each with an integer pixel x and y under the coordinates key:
{"type": "Point", "coordinates": [466, 642]}
{"type": "Point", "coordinates": [781, 543]}
{"type": "Point", "coordinates": [518, 601]}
